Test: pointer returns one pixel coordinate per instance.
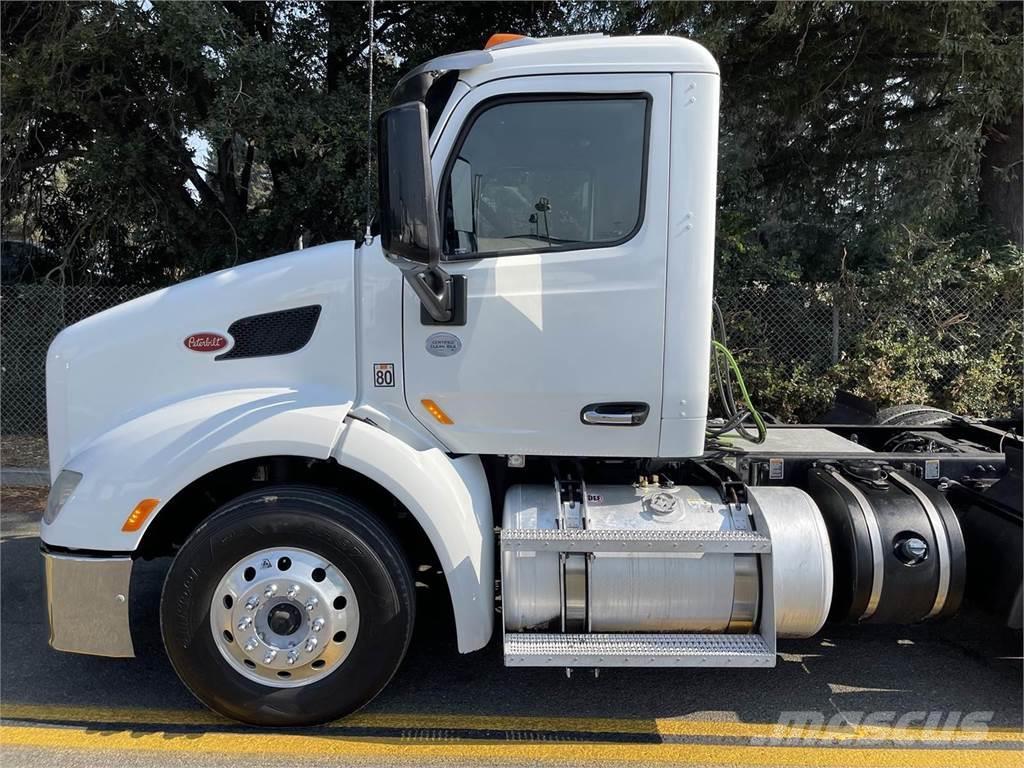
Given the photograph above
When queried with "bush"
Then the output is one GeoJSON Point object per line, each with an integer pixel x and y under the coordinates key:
{"type": "Point", "coordinates": [941, 325]}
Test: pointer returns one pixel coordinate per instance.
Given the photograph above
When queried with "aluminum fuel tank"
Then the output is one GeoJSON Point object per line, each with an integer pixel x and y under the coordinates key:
{"type": "Point", "coordinates": [668, 591]}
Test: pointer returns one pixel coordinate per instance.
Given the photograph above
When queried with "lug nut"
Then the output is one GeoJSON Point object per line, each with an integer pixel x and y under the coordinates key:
{"type": "Point", "coordinates": [252, 603]}
{"type": "Point", "coordinates": [270, 656]}
{"type": "Point", "coordinates": [245, 622]}
{"type": "Point", "coordinates": [251, 645]}
{"type": "Point", "coordinates": [310, 644]}
{"type": "Point", "coordinates": [292, 657]}
{"type": "Point", "coordinates": [270, 591]}
{"type": "Point", "coordinates": [293, 590]}
{"type": "Point", "coordinates": [318, 625]}
{"type": "Point", "coordinates": [312, 604]}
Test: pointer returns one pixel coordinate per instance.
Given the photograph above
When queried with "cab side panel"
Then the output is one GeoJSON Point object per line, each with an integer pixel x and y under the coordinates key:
{"type": "Point", "coordinates": [691, 253]}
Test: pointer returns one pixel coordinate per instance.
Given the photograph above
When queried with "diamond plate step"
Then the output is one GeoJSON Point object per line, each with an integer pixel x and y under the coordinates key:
{"type": "Point", "coordinates": [639, 540]}
{"type": "Point", "coordinates": [636, 650]}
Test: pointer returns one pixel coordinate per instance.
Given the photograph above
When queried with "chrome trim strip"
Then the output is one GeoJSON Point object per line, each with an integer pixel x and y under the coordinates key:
{"type": "Point", "coordinates": [876, 543]}
{"type": "Point", "coordinates": [942, 548]}
{"type": "Point", "coordinates": [728, 541]}
{"type": "Point", "coordinates": [87, 601]}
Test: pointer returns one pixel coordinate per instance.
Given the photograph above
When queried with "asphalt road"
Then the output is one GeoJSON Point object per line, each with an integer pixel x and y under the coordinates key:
{"type": "Point", "coordinates": [68, 710]}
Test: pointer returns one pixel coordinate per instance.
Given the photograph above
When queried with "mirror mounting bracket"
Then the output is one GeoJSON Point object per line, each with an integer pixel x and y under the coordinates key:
{"type": "Point", "coordinates": [433, 287]}
{"type": "Point", "coordinates": [455, 298]}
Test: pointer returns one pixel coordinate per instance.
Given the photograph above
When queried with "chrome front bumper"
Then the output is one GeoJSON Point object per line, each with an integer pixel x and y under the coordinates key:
{"type": "Point", "coordinates": [87, 601]}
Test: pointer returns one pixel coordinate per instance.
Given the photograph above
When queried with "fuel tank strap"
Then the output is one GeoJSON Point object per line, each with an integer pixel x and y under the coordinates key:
{"type": "Point", "coordinates": [746, 587]}
{"type": "Point", "coordinates": [943, 551]}
{"type": "Point", "coordinates": [575, 568]}
{"type": "Point", "coordinates": [878, 562]}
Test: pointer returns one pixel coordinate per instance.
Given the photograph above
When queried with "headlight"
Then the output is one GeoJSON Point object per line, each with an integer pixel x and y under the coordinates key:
{"type": "Point", "coordinates": [60, 492]}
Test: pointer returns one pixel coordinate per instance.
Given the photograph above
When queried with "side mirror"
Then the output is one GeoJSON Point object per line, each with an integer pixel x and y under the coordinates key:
{"type": "Point", "coordinates": [409, 230]}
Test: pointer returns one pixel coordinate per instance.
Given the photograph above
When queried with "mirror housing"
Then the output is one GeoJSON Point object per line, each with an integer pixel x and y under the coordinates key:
{"type": "Point", "coordinates": [409, 229]}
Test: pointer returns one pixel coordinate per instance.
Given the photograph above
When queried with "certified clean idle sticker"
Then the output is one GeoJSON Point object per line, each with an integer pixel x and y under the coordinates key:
{"type": "Point", "coordinates": [443, 344]}
{"type": "Point", "coordinates": [383, 374]}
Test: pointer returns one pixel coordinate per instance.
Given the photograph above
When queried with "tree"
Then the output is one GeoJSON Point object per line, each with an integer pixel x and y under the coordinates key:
{"type": "Point", "coordinates": [845, 123]}
{"type": "Point", "coordinates": [108, 108]}
{"type": "Point", "coordinates": [147, 143]}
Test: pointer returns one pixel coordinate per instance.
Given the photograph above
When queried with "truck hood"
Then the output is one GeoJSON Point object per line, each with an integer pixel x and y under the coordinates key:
{"type": "Point", "coordinates": [205, 336]}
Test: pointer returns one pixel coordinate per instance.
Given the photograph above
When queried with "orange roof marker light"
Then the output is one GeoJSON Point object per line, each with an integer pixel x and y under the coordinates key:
{"type": "Point", "coordinates": [435, 410]}
{"type": "Point", "coordinates": [138, 516]}
{"type": "Point", "coordinates": [500, 38]}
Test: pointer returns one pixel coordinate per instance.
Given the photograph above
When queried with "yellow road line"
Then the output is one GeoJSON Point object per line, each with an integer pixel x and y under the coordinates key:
{"type": "Point", "coordinates": [389, 749]}
{"type": "Point", "coordinates": [87, 714]}
{"type": "Point", "coordinates": [653, 726]}
{"type": "Point", "coordinates": [670, 727]}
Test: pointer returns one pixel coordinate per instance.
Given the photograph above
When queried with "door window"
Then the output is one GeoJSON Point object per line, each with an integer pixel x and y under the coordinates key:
{"type": "Point", "coordinates": [546, 173]}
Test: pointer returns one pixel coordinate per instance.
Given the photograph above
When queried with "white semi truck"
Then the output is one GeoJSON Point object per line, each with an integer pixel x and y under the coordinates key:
{"type": "Point", "coordinates": [509, 386]}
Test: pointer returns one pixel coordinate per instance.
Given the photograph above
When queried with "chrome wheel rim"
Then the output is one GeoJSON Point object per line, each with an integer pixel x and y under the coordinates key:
{"type": "Point", "coordinates": [284, 617]}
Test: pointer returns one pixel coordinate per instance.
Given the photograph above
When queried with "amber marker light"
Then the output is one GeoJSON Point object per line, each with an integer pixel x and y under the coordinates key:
{"type": "Point", "coordinates": [501, 37]}
{"type": "Point", "coordinates": [138, 516]}
{"type": "Point", "coordinates": [435, 410]}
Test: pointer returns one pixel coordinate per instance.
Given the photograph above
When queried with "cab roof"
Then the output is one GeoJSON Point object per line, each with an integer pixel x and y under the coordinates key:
{"type": "Point", "coordinates": [575, 55]}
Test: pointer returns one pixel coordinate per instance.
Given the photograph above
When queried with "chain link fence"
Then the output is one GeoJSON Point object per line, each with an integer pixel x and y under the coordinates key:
{"type": "Point", "coordinates": [30, 317]}
{"type": "Point", "coordinates": [958, 347]}
{"type": "Point", "coordinates": [954, 346]}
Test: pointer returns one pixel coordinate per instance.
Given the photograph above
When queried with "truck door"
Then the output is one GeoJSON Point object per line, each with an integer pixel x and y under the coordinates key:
{"type": "Point", "coordinates": [553, 197]}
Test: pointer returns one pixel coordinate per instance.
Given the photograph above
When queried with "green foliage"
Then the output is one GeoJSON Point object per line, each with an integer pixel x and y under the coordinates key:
{"type": "Point", "coordinates": [105, 105]}
{"type": "Point", "coordinates": [940, 324]}
{"type": "Point", "coordinates": [843, 121]}
{"type": "Point", "coordinates": [794, 392]}
{"type": "Point", "coordinates": [945, 329]}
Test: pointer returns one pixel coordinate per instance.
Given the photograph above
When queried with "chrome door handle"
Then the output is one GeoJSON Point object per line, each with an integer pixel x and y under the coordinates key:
{"type": "Point", "coordinates": [615, 414]}
{"type": "Point", "coordinates": [594, 416]}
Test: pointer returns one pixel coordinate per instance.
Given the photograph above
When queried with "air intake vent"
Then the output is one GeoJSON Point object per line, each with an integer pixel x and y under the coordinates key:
{"type": "Point", "coordinates": [273, 333]}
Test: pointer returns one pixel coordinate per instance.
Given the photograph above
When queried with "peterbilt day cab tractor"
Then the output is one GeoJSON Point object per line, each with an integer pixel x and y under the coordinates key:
{"type": "Point", "coordinates": [509, 383]}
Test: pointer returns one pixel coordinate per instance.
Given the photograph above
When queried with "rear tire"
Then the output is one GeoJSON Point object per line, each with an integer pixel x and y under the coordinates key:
{"type": "Point", "coordinates": [244, 671]}
{"type": "Point", "coordinates": [912, 415]}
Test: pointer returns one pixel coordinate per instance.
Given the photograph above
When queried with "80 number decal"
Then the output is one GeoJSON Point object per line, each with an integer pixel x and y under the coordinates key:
{"type": "Point", "coordinates": [383, 374]}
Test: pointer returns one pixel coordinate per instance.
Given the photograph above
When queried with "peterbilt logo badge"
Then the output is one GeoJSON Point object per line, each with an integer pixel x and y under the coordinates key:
{"type": "Point", "coordinates": [205, 342]}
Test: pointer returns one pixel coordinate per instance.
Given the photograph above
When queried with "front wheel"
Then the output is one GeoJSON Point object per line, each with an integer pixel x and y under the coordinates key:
{"type": "Point", "coordinates": [289, 606]}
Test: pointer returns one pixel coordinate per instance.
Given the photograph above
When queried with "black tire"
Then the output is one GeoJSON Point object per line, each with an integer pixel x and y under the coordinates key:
{"type": "Point", "coordinates": [336, 527]}
{"type": "Point", "coordinates": [912, 415]}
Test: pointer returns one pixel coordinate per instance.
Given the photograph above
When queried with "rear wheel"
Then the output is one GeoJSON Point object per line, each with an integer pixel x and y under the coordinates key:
{"type": "Point", "coordinates": [912, 415]}
{"type": "Point", "coordinates": [290, 606]}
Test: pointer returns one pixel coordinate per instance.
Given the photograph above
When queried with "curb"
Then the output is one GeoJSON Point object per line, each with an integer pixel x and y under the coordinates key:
{"type": "Point", "coordinates": [24, 476]}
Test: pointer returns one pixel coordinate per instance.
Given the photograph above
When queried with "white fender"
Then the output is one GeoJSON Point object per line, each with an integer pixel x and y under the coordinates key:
{"type": "Point", "coordinates": [161, 452]}
{"type": "Point", "coordinates": [451, 501]}
{"type": "Point", "coordinates": [158, 454]}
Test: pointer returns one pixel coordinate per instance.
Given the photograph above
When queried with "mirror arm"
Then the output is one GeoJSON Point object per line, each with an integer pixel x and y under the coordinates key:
{"type": "Point", "coordinates": [423, 279]}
